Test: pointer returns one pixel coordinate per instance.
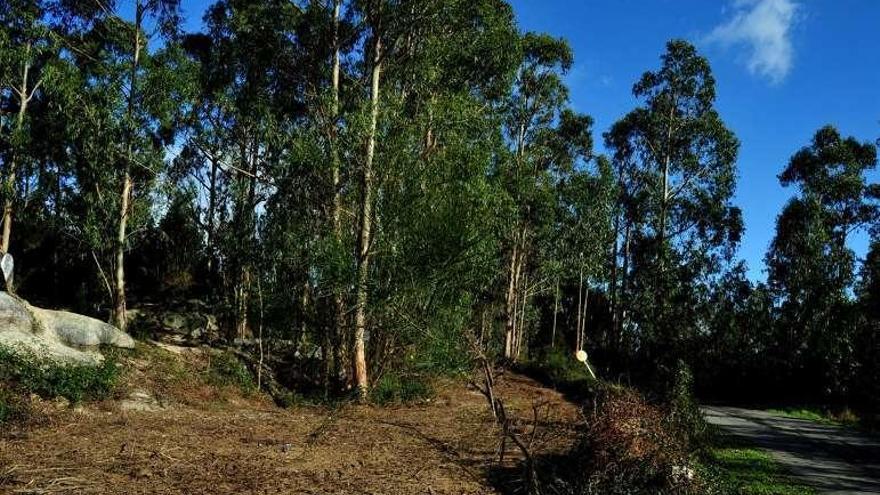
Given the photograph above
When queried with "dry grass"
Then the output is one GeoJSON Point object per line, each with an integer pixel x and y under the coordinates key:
{"type": "Point", "coordinates": [217, 441]}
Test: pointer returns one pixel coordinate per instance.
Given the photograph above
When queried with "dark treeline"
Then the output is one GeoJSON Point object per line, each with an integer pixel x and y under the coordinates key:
{"type": "Point", "coordinates": [393, 181]}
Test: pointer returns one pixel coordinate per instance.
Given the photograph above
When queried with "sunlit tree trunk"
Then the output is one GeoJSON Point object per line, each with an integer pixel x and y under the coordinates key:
{"type": "Point", "coordinates": [582, 336]}
{"type": "Point", "coordinates": [337, 340]}
{"type": "Point", "coordinates": [614, 282]}
{"type": "Point", "coordinates": [119, 309]}
{"type": "Point", "coordinates": [623, 298]}
{"type": "Point", "coordinates": [555, 313]}
{"type": "Point", "coordinates": [211, 215]}
{"type": "Point", "coordinates": [360, 319]}
{"type": "Point", "coordinates": [510, 302]}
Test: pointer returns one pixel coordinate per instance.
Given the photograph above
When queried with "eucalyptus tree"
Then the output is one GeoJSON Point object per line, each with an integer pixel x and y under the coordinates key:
{"type": "Point", "coordinates": [28, 52]}
{"type": "Point", "coordinates": [432, 74]}
{"type": "Point", "coordinates": [811, 269]}
{"type": "Point", "coordinates": [250, 100]}
{"type": "Point", "coordinates": [327, 36]}
{"type": "Point", "coordinates": [866, 385]}
{"type": "Point", "coordinates": [679, 159]}
{"type": "Point", "coordinates": [548, 140]}
{"type": "Point", "coordinates": [583, 234]}
{"type": "Point", "coordinates": [127, 96]}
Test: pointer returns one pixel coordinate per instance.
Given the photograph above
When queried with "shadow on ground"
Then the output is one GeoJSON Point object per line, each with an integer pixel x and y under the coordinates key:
{"type": "Point", "coordinates": [829, 459]}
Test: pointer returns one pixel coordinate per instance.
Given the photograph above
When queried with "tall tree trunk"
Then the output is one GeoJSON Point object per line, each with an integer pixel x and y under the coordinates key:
{"type": "Point", "coordinates": [555, 313]}
{"type": "Point", "coordinates": [623, 298]}
{"type": "Point", "coordinates": [583, 334]}
{"type": "Point", "coordinates": [517, 254]}
{"type": "Point", "coordinates": [510, 302]}
{"type": "Point", "coordinates": [24, 96]}
{"type": "Point", "coordinates": [338, 330]}
{"type": "Point", "coordinates": [365, 238]}
{"type": "Point", "coordinates": [211, 214]}
{"type": "Point", "coordinates": [614, 289]}
{"type": "Point", "coordinates": [119, 309]}
{"type": "Point", "coordinates": [659, 293]}
{"type": "Point", "coordinates": [242, 296]}
{"type": "Point", "coordinates": [514, 296]}
{"type": "Point", "coordinates": [577, 331]}
{"type": "Point", "coordinates": [520, 330]}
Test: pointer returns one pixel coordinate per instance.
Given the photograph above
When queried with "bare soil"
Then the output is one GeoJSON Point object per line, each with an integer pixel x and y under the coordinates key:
{"type": "Point", "coordinates": [216, 442]}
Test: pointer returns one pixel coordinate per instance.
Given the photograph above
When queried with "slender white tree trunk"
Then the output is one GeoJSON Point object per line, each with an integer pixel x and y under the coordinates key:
{"type": "Point", "coordinates": [577, 331]}
{"type": "Point", "coordinates": [365, 238]}
{"type": "Point", "coordinates": [583, 334]}
{"type": "Point", "coordinates": [555, 313]}
{"type": "Point", "coordinates": [510, 304]}
{"type": "Point", "coordinates": [338, 338]}
{"type": "Point", "coordinates": [119, 310]}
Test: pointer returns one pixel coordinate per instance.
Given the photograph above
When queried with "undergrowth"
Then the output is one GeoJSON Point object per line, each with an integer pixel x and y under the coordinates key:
{"type": "Point", "coordinates": [226, 370]}
{"type": "Point", "coordinates": [25, 372]}
{"type": "Point", "coordinates": [401, 388]}
{"type": "Point", "coordinates": [560, 370]}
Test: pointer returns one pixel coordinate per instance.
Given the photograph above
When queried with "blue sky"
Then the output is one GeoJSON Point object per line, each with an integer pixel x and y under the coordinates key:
{"type": "Point", "coordinates": [783, 68]}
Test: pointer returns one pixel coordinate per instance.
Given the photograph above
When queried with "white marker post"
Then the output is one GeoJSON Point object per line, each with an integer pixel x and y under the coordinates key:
{"type": "Point", "coordinates": [7, 266]}
{"type": "Point", "coordinates": [581, 356]}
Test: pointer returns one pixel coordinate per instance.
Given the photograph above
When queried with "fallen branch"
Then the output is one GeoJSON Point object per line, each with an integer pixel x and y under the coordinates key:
{"type": "Point", "coordinates": [505, 423]}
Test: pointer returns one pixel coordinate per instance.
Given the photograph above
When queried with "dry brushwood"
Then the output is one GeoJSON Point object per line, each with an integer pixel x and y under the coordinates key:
{"type": "Point", "coordinates": [505, 422]}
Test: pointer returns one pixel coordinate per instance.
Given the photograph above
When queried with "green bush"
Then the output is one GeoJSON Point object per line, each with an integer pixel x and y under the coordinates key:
{"type": "Point", "coordinates": [27, 372]}
{"type": "Point", "coordinates": [227, 370]}
{"type": "Point", "coordinates": [685, 413]}
{"type": "Point", "coordinates": [401, 388]}
{"type": "Point", "coordinates": [560, 369]}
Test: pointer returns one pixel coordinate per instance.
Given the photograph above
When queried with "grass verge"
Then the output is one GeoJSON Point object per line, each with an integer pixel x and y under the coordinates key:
{"type": "Point", "coordinates": [741, 470]}
{"type": "Point", "coordinates": [818, 415]}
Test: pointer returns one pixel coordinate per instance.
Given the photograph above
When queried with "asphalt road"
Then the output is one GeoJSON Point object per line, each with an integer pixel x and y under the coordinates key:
{"type": "Point", "coordinates": [828, 458]}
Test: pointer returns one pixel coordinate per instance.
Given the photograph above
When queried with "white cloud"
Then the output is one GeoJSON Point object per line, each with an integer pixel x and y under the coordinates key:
{"type": "Point", "coordinates": [764, 28]}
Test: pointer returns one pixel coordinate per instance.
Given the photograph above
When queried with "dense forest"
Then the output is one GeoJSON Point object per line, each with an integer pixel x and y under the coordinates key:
{"type": "Point", "coordinates": [392, 186]}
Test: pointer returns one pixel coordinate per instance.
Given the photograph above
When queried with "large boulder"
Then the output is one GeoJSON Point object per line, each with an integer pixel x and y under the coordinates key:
{"type": "Point", "coordinates": [67, 338]}
{"type": "Point", "coordinates": [184, 323]}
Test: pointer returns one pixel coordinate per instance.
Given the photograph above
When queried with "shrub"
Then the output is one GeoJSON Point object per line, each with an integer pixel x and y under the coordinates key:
{"type": "Point", "coordinates": [27, 372]}
{"type": "Point", "coordinates": [562, 371]}
{"type": "Point", "coordinates": [685, 413]}
{"type": "Point", "coordinates": [227, 370]}
{"type": "Point", "coordinates": [633, 447]}
{"type": "Point", "coordinates": [562, 367]}
{"type": "Point", "coordinates": [402, 388]}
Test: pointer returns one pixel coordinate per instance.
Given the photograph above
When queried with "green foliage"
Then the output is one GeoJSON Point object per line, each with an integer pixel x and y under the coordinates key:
{"type": "Point", "coordinates": [226, 370]}
{"type": "Point", "coordinates": [675, 160]}
{"type": "Point", "coordinates": [401, 388]}
{"type": "Point", "coordinates": [811, 269]}
{"type": "Point", "coordinates": [30, 373]}
{"type": "Point", "coordinates": [685, 412]}
{"type": "Point", "coordinates": [561, 369]}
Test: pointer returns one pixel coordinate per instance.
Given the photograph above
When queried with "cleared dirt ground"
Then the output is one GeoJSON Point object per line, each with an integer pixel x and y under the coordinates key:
{"type": "Point", "coordinates": [446, 446]}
